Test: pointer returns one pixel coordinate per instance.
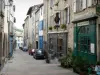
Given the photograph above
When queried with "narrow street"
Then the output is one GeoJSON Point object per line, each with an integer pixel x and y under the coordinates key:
{"type": "Point", "coordinates": [23, 64]}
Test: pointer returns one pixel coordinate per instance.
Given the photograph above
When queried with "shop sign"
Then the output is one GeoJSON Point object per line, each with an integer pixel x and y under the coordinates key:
{"type": "Point", "coordinates": [83, 23]}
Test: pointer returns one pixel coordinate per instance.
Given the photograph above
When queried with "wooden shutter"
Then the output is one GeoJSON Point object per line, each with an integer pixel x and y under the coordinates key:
{"type": "Point", "coordinates": [0, 5]}
{"type": "Point", "coordinates": [98, 1]}
{"type": "Point", "coordinates": [80, 4]}
{"type": "Point", "coordinates": [51, 3]}
{"type": "Point", "coordinates": [74, 7]}
{"type": "Point", "coordinates": [94, 2]}
{"type": "Point", "coordinates": [89, 3]}
{"type": "Point", "coordinates": [62, 17]}
{"type": "Point", "coordinates": [68, 15]}
{"type": "Point", "coordinates": [84, 4]}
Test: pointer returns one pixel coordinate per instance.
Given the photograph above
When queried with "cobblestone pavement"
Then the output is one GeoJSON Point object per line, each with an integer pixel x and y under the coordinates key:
{"type": "Point", "coordinates": [23, 64]}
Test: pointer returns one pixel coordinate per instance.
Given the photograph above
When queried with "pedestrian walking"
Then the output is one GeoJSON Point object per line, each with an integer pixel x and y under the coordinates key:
{"type": "Point", "coordinates": [97, 68]}
{"type": "Point", "coordinates": [46, 52]}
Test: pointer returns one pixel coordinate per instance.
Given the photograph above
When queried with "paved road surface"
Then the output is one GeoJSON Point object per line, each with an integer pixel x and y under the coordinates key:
{"type": "Point", "coordinates": [23, 64]}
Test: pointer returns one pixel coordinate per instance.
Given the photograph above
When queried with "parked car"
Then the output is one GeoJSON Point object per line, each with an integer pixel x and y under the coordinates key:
{"type": "Point", "coordinates": [31, 51]}
{"type": "Point", "coordinates": [25, 48]}
{"type": "Point", "coordinates": [39, 53]}
{"type": "Point", "coordinates": [21, 48]}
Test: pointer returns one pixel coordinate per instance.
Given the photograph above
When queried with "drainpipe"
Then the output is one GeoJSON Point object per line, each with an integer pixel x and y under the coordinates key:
{"type": "Point", "coordinates": [47, 20]}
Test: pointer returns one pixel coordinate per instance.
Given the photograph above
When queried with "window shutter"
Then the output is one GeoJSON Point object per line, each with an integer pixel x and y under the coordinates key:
{"type": "Point", "coordinates": [94, 2]}
{"type": "Point", "coordinates": [0, 5]}
{"type": "Point", "coordinates": [84, 4]}
{"type": "Point", "coordinates": [98, 1]}
{"type": "Point", "coordinates": [65, 16]}
{"type": "Point", "coordinates": [79, 5]}
{"type": "Point", "coordinates": [74, 7]}
{"type": "Point", "coordinates": [51, 3]}
{"type": "Point", "coordinates": [62, 17]}
{"type": "Point", "coordinates": [89, 3]}
{"type": "Point", "coordinates": [68, 15]}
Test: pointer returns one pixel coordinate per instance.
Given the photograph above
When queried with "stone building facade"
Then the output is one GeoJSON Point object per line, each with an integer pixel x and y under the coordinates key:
{"type": "Point", "coordinates": [86, 29]}
{"type": "Point", "coordinates": [61, 38]}
{"type": "Point", "coordinates": [7, 9]}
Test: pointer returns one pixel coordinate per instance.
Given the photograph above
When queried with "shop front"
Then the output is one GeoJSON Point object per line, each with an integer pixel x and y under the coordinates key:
{"type": "Point", "coordinates": [85, 39]}
{"type": "Point", "coordinates": [58, 43]}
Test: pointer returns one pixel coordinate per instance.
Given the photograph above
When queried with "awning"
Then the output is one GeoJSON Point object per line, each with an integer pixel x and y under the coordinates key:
{"type": "Point", "coordinates": [84, 18]}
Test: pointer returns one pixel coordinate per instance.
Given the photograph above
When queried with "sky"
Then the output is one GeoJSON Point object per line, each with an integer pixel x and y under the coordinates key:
{"type": "Point", "coordinates": [22, 7]}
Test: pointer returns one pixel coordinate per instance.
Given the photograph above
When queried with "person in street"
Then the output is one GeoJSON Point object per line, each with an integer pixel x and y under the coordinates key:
{"type": "Point", "coordinates": [97, 68]}
{"type": "Point", "coordinates": [46, 52]}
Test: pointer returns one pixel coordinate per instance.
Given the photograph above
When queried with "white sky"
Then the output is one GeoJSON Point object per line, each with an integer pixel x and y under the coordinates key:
{"type": "Point", "coordinates": [22, 7]}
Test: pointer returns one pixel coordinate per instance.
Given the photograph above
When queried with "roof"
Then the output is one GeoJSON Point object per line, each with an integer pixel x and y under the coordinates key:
{"type": "Point", "coordinates": [39, 7]}
{"type": "Point", "coordinates": [26, 17]}
{"type": "Point", "coordinates": [32, 8]}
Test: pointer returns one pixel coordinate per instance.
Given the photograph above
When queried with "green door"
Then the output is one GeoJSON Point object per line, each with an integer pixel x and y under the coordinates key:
{"type": "Point", "coordinates": [85, 42]}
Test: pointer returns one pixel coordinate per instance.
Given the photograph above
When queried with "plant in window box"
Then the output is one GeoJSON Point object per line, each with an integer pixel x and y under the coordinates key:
{"type": "Point", "coordinates": [56, 4]}
{"type": "Point", "coordinates": [63, 26]}
{"type": "Point", "coordinates": [56, 26]}
{"type": "Point", "coordinates": [50, 28]}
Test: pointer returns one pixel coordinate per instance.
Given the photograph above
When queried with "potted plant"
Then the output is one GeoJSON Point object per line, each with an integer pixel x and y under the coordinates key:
{"type": "Point", "coordinates": [56, 4]}
{"type": "Point", "coordinates": [50, 28]}
{"type": "Point", "coordinates": [66, 61]}
{"type": "Point", "coordinates": [56, 26]}
{"type": "Point", "coordinates": [80, 65]}
{"type": "Point", "coordinates": [63, 26]}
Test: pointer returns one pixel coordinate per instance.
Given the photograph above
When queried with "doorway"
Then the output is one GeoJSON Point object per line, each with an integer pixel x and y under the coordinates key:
{"type": "Point", "coordinates": [60, 43]}
{"type": "Point", "coordinates": [36, 44]}
{"type": "Point", "coordinates": [98, 53]}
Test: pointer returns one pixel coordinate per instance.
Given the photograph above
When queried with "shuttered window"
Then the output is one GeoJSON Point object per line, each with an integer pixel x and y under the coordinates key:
{"type": "Point", "coordinates": [51, 3]}
{"type": "Point", "coordinates": [84, 4]}
{"type": "Point", "coordinates": [74, 6]}
{"type": "Point", "coordinates": [89, 3]}
{"type": "Point", "coordinates": [68, 15]}
{"type": "Point", "coordinates": [98, 1]}
{"type": "Point", "coordinates": [65, 15]}
{"type": "Point", "coordinates": [3, 6]}
{"type": "Point", "coordinates": [62, 17]}
{"type": "Point", "coordinates": [78, 5]}
{"type": "Point", "coordinates": [0, 5]}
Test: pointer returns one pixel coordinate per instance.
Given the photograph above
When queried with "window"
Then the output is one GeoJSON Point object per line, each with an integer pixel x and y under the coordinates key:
{"type": "Point", "coordinates": [98, 1]}
{"type": "Point", "coordinates": [67, 15]}
{"type": "Point", "coordinates": [41, 11]}
{"type": "Point", "coordinates": [79, 5]}
{"type": "Point", "coordinates": [84, 4]}
{"type": "Point", "coordinates": [62, 17]}
{"type": "Point", "coordinates": [74, 6]}
{"type": "Point", "coordinates": [84, 44]}
{"type": "Point", "coordinates": [51, 3]}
